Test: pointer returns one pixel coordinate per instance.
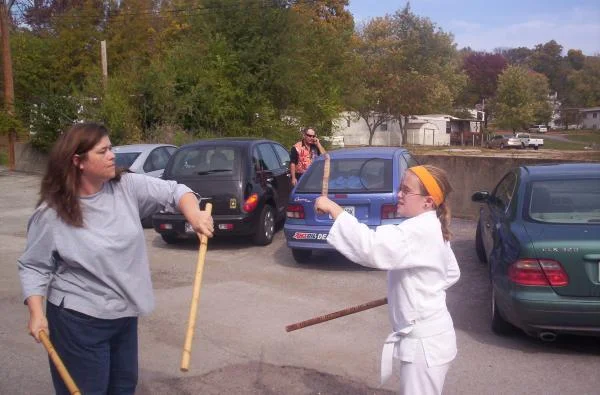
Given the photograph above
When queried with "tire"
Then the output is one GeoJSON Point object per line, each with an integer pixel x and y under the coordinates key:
{"type": "Point", "coordinates": [169, 238]}
{"type": "Point", "coordinates": [301, 256]}
{"type": "Point", "coordinates": [502, 146]}
{"type": "Point", "coordinates": [147, 222]}
{"type": "Point", "coordinates": [536, 147]}
{"type": "Point", "coordinates": [479, 244]}
{"type": "Point", "coordinates": [499, 325]}
{"type": "Point", "coordinates": [266, 226]}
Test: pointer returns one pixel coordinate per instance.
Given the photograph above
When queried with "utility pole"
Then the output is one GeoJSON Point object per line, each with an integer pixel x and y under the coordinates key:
{"type": "Point", "coordinates": [9, 90]}
{"type": "Point", "coordinates": [104, 64]}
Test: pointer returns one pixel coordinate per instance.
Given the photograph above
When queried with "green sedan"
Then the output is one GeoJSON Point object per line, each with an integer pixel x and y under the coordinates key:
{"type": "Point", "coordinates": [539, 232]}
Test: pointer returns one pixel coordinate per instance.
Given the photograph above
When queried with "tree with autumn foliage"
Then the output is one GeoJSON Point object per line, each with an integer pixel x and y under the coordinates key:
{"type": "Point", "coordinates": [408, 66]}
{"type": "Point", "coordinates": [482, 70]}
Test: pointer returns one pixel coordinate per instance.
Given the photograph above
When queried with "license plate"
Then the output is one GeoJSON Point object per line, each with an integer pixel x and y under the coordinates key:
{"type": "Point", "coordinates": [348, 209]}
{"type": "Point", "coordinates": [188, 228]}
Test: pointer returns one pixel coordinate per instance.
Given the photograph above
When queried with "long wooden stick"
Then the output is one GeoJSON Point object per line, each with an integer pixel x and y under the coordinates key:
{"type": "Point", "coordinates": [189, 336]}
{"type": "Point", "coordinates": [326, 170]}
{"type": "Point", "coordinates": [58, 363]}
{"type": "Point", "coordinates": [336, 314]}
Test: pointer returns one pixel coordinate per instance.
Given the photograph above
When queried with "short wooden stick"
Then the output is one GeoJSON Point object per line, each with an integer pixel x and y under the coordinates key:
{"type": "Point", "coordinates": [326, 171]}
{"type": "Point", "coordinates": [58, 363]}
{"type": "Point", "coordinates": [189, 336]}
{"type": "Point", "coordinates": [337, 314]}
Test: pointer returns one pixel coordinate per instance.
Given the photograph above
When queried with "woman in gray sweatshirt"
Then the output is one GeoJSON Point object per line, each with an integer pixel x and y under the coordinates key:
{"type": "Point", "coordinates": [86, 254]}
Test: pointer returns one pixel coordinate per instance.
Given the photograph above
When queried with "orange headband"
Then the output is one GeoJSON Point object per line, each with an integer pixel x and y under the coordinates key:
{"type": "Point", "coordinates": [430, 184]}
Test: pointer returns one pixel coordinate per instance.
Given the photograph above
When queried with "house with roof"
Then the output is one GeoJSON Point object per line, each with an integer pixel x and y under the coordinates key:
{"type": "Point", "coordinates": [590, 117]}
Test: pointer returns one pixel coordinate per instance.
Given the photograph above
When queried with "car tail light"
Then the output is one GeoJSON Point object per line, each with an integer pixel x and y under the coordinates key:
{"type": "Point", "coordinates": [250, 203]}
{"type": "Point", "coordinates": [557, 277]}
{"type": "Point", "coordinates": [295, 211]}
{"type": "Point", "coordinates": [388, 211]}
{"type": "Point", "coordinates": [542, 272]}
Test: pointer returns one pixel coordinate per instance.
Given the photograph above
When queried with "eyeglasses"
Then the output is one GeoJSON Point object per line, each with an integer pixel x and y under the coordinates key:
{"type": "Point", "coordinates": [311, 135]}
{"type": "Point", "coordinates": [406, 192]}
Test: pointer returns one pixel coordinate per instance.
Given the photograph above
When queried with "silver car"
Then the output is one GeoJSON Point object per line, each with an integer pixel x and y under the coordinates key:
{"type": "Point", "coordinates": [149, 159]}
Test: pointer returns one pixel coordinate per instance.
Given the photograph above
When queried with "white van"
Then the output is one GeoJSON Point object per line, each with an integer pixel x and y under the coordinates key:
{"type": "Point", "coordinates": [538, 129]}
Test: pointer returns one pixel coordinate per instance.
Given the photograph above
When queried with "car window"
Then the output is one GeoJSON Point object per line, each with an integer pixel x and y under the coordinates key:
{"type": "Point", "coordinates": [565, 201]}
{"type": "Point", "coordinates": [360, 175]}
{"type": "Point", "coordinates": [125, 159]}
{"type": "Point", "coordinates": [270, 161]}
{"type": "Point", "coordinates": [204, 160]}
{"type": "Point", "coordinates": [157, 160]}
{"type": "Point", "coordinates": [171, 150]}
{"type": "Point", "coordinates": [504, 191]}
{"type": "Point", "coordinates": [283, 154]}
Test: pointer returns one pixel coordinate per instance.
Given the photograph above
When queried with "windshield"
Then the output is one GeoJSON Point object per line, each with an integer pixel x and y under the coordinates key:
{"type": "Point", "coordinates": [349, 176]}
{"type": "Point", "coordinates": [565, 201]}
{"type": "Point", "coordinates": [204, 160]}
{"type": "Point", "coordinates": [125, 159]}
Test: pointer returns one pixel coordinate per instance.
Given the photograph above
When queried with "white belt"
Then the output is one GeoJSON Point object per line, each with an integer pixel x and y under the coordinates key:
{"type": "Point", "coordinates": [435, 325]}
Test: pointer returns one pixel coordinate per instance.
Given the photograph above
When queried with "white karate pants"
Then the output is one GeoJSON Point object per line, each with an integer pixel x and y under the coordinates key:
{"type": "Point", "coordinates": [416, 378]}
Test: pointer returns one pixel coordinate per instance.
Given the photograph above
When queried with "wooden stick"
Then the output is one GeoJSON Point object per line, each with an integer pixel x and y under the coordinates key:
{"type": "Point", "coordinates": [58, 363]}
{"type": "Point", "coordinates": [326, 171]}
{"type": "Point", "coordinates": [187, 347]}
{"type": "Point", "coordinates": [337, 314]}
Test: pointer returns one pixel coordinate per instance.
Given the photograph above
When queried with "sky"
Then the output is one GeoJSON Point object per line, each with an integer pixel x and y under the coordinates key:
{"type": "Point", "coordinates": [488, 24]}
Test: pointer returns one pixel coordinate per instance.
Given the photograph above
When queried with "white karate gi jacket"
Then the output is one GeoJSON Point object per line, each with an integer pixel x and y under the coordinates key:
{"type": "Point", "coordinates": [421, 266]}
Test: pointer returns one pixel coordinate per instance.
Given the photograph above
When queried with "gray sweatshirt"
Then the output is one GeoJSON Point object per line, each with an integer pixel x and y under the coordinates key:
{"type": "Point", "coordinates": [102, 268]}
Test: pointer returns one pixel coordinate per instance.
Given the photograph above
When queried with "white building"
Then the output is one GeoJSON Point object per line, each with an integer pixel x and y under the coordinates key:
{"type": "Point", "coordinates": [432, 129]}
{"type": "Point", "coordinates": [426, 133]}
{"type": "Point", "coordinates": [354, 131]}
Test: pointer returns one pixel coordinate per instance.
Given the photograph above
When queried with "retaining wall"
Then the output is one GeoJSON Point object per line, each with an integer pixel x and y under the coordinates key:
{"type": "Point", "coordinates": [469, 174]}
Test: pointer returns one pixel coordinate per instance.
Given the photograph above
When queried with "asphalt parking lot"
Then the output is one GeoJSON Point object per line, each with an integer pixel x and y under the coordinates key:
{"type": "Point", "coordinates": [250, 293]}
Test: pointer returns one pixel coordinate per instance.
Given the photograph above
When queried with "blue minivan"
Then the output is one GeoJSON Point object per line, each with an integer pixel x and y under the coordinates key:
{"type": "Point", "coordinates": [364, 181]}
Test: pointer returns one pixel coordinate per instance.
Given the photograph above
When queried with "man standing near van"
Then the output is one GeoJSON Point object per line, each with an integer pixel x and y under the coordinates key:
{"type": "Point", "coordinates": [303, 153]}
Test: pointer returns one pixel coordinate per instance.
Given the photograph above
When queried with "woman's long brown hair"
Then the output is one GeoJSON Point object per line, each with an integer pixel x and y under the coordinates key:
{"type": "Point", "coordinates": [60, 185]}
{"type": "Point", "coordinates": [443, 210]}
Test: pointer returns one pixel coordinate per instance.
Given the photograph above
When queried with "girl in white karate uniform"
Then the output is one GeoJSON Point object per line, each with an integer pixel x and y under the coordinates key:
{"type": "Point", "coordinates": [420, 265]}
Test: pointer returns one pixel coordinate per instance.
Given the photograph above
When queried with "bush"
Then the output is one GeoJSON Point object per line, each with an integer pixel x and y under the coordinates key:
{"type": "Point", "coordinates": [49, 119]}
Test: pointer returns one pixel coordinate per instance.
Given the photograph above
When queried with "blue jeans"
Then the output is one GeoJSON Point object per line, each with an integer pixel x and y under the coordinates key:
{"type": "Point", "coordinates": [100, 355]}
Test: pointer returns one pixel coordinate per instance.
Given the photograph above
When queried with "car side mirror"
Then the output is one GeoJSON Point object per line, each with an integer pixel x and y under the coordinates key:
{"type": "Point", "coordinates": [480, 197]}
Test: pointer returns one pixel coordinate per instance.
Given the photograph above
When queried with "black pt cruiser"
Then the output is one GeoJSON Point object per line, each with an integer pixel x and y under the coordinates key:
{"type": "Point", "coordinates": [247, 180]}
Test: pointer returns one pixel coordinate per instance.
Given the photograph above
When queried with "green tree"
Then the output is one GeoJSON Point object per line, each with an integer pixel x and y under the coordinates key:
{"type": "Point", "coordinates": [522, 98]}
{"type": "Point", "coordinates": [547, 59]}
{"type": "Point", "coordinates": [410, 66]}
{"type": "Point", "coordinates": [584, 84]}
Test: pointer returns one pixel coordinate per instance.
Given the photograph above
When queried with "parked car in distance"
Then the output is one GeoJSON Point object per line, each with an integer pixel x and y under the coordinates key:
{"type": "Point", "coordinates": [538, 129]}
{"type": "Point", "coordinates": [148, 159]}
{"type": "Point", "coordinates": [497, 141]}
{"type": "Point", "coordinates": [539, 232]}
{"type": "Point", "coordinates": [364, 181]}
{"type": "Point", "coordinates": [528, 142]}
{"type": "Point", "coordinates": [247, 180]}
